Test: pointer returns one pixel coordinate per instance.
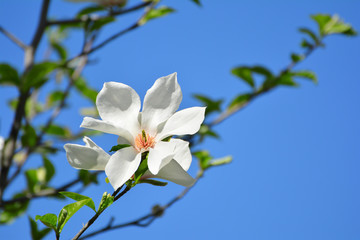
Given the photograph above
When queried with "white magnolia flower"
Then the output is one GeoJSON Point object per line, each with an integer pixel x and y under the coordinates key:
{"type": "Point", "coordinates": [119, 108]}
{"type": "Point", "coordinates": [103, 2]}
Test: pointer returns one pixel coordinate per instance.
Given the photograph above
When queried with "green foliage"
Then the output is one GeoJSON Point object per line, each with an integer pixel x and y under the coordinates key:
{"type": "Point", "coordinates": [240, 100]}
{"type": "Point", "coordinates": [81, 85]}
{"type": "Point", "coordinates": [206, 160]}
{"type": "Point", "coordinates": [211, 105]}
{"type": "Point", "coordinates": [71, 209]}
{"type": "Point", "coordinates": [89, 10]}
{"type": "Point", "coordinates": [49, 220]}
{"type": "Point", "coordinates": [105, 202]}
{"type": "Point", "coordinates": [37, 234]}
{"type": "Point", "coordinates": [58, 131]}
{"type": "Point", "coordinates": [91, 26]}
{"type": "Point", "coordinates": [79, 197]}
{"type": "Point", "coordinates": [153, 182]}
{"type": "Point", "coordinates": [13, 210]}
{"type": "Point", "coordinates": [156, 13]}
{"type": "Point", "coordinates": [118, 147]}
{"type": "Point", "coordinates": [60, 50]}
{"type": "Point", "coordinates": [297, 57]}
{"type": "Point", "coordinates": [245, 74]}
{"type": "Point", "coordinates": [206, 131]}
{"type": "Point", "coordinates": [54, 98]}
{"type": "Point", "coordinates": [141, 169]}
{"type": "Point", "coordinates": [306, 74]}
{"type": "Point", "coordinates": [311, 34]}
{"type": "Point", "coordinates": [86, 177]}
{"type": "Point", "coordinates": [196, 2]}
{"type": "Point", "coordinates": [29, 136]}
{"type": "Point", "coordinates": [9, 75]}
{"type": "Point", "coordinates": [328, 24]}
{"type": "Point", "coordinates": [286, 79]}
{"type": "Point", "coordinates": [38, 74]}
{"type": "Point", "coordinates": [49, 169]}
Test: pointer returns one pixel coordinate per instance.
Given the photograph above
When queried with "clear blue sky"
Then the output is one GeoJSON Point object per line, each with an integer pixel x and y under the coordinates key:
{"type": "Point", "coordinates": [295, 173]}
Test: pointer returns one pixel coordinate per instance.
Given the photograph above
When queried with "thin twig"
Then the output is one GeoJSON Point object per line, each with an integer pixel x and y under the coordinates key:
{"type": "Point", "coordinates": [86, 18]}
{"type": "Point", "coordinates": [14, 39]}
{"type": "Point", "coordinates": [24, 95]}
{"type": "Point", "coordinates": [93, 219]}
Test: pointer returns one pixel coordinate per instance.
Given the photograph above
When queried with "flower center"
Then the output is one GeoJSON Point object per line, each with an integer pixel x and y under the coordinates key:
{"type": "Point", "coordinates": [143, 141]}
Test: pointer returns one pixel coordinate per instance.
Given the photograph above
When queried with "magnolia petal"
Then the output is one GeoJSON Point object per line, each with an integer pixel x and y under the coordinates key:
{"type": "Point", "coordinates": [160, 155]}
{"type": "Point", "coordinates": [119, 104]}
{"type": "Point", "coordinates": [182, 153]}
{"type": "Point", "coordinates": [187, 121]}
{"type": "Point", "coordinates": [122, 165]}
{"type": "Point", "coordinates": [99, 125]}
{"type": "Point", "coordinates": [160, 103]}
{"type": "Point", "coordinates": [89, 157]}
{"type": "Point", "coordinates": [176, 174]}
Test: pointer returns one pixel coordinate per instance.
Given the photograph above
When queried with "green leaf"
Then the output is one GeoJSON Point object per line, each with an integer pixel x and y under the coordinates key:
{"type": "Point", "coordinates": [211, 105]}
{"type": "Point", "coordinates": [49, 220]}
{"type": "Point", "coordinates": [311, 34]}
{"type": "Point", "coordinates": [221, 161]}
{"type": "Point", "coordinates": [105, 202]}
{"type": "Point", "coordinates": [79, 197]}
{"type": "Point", "coordinates": [118, 147]}
{"type": "Point", "coordinates": [206, 131]}
{"type": "Point", "coordinates": [306, 74]}
{"type": "Point", "coordinates": [98, 24]}
{"type": "Point", "coordinates": [72, 209]}
{"type": "Point", "coordinates": [35, 233]}
{"type": "Point", "coordinates": [29, 137]}
{"type": "Point", "coordinates": [332, 25]}
{"type": "Point", "coordinates": [153, 182]}
{"type": "Point", "coordinates": [87, 177]}
{"type": "Point", "coordinates": [245, 74]}
{"type": "Point", "coordinates": [57, 130]}
{"type": "Point", "coordinates": [13, 210]}
{"type": "Point", "coordinates": [49, 168]}
{"type": "Point", "coordinates": [54, 98]}
{"type": "Point", "coordinates": [141, 169]}
{"type": "Point", "coordinates": [204, 159]}
{"type": "Point", "coordinates": [82, 87]}
{"type": "Point", "coordinates": [61, 219]}
{"type": "Point", "coordinates": [60, 50]}
{"type": "Point", "coordinates": [37, 76]}
{"type": "Point", "coordinates": [296, 57]}
{"type": "Point", "coordinates": [240, 100]}
{"type": "Point", "coordinates": [286, 79]}
{"type": "Point", "coordinates": [9, 75]}
{"type": "Point", "coordinates": [197, 2]}
{"type": "Point", "coordinates": [32, 180]}
{"type": "Point", "coordinates": [89, 10]}
{"type": "Point", "coordinates": [156, 13]}
{"type": "Point", "coordinates": [305, 44]}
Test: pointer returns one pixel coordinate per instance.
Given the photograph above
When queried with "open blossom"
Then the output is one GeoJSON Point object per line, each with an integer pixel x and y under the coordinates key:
{"type": "Point", "coordinates": [103, 2]}
{"type": "Point", "coordinates": [119, 108]}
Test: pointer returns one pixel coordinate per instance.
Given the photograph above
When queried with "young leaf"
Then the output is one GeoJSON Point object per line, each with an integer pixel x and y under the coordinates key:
{"type": "Point", "coordinates": [286, 79]}
{"type": "Point", "coordinates": [37, 76]}
{"type": "Point", "coordinates": [118, 147]}
{"type": "Point", "coordinates": [332, 25]}
{"type": "Point", "coordinates": [35, 233]}
{"type": "Point", "coordinates": [89, 10]}
{"type": "Point", "coordinates": [62, 217]}
{"type": "Point", "coordinates": [105, 202]}
{"type": "Point", "coordinates": [311, 34]}
{"type": "Point", "coordinates": [87, 177]}
{"type": "Point", "coordinates": [204, 159]}
{"type": "Point", "coordinates": [153, 182]}
{"type": "Point", "coordinates": [29, 137]}
{"type": "Point", "coordinates": [9, 75]}
{"type": "Point", "coordinates": [221, 161]}
{"type": "Point", "coordinates": [245, 74]}
{"type": "Point", "coordinates": [79, 197]}
{"type": "Point", "coordinates": [156, 13]}
{"type": "Point", "coordinates": [211, 105]}
{"type": "Point", "coordinates": [49, 168]}
{"type": "Point", "coordinates": [49, 220]}
{"type": "Point", "coordinates": [296, 57]}
{"type": "Point", "coordinates": [57, 130]}
{"type": "Point", "coordinates": [82, 87]}
{"type": "Point", "coordinates": [240, 100]}
{"type": "Point", "coordinates": [60, 50]}
{"type": "Point", "coordinates": [32, 180]}
{"type": "Point", "coordinates": [72, 209]}
{"type": "Point", "coordinates": [141, 170]}
{"type": "Point", "coordinates": [13, 210]}
{"type": "Point", "coordinates": [306, 74]}
{"type": "Point", "coordinates": [197, 2]}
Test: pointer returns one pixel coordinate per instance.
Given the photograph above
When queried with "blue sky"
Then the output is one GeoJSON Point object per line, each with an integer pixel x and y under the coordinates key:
{"type": "Point", "coordinates": [295, 173]}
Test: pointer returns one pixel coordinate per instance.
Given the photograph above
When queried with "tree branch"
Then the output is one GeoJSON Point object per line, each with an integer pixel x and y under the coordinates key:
{"type": "Point", "coordinates": [13, 38]}
{"type": "Point", "coordinates": [90, 18]}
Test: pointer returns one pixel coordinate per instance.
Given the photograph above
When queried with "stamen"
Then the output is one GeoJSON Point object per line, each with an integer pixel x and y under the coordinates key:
{"type": "Point", "coordinates": [144, 141]}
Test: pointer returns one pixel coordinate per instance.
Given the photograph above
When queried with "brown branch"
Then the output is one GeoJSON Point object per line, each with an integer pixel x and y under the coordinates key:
{"type": "Point", "coordinates": [14, 39]}
{"type": "Point", "coordinates": [86, 18]}
{"type": "Point", "coordinates": [93, 219]}
{"type": "Point", "coordinates": [20, 110]}
{"type": "Point", "coordinates": [149, 218]}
